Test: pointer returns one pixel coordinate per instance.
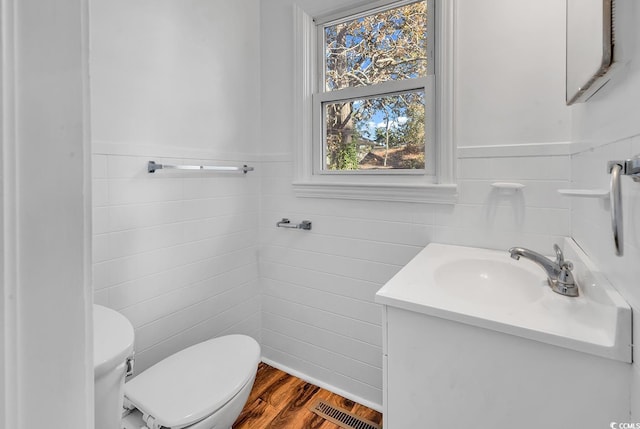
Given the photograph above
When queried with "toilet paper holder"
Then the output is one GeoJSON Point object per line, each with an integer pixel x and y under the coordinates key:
{"type": "Point", "coordinates": [286, 223]}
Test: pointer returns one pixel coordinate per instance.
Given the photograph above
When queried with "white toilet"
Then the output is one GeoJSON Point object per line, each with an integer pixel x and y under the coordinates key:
{"type": "Point", "coordinates": [204, 386]}
{"type": "Point", "coordinates": [112, 354]}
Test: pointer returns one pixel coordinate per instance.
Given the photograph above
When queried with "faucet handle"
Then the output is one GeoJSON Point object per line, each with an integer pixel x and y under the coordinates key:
{"type": "Point", "coordinates": [559, 255]}
{"type": "Point", "coordinates": [565, 276]}
{"type": "Point", "coordinates": [562, 263]}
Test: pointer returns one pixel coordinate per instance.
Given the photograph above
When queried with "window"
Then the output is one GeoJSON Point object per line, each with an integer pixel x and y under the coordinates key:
{"type": "Point", "coordinates": [373, 102]}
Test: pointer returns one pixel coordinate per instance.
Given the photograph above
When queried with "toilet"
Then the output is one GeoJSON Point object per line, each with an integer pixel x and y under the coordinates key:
{"type": "Point", "coordinates": [112, 360]}
{"type": "Point", "coordinates": [204, 386]}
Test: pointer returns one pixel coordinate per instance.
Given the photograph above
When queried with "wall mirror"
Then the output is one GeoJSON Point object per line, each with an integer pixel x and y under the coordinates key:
{"type": "Point", "coordinates": [589, 47]}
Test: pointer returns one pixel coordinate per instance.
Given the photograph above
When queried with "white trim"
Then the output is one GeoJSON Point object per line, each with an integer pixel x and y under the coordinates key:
{"type": "Point", "coordinates": [350, 13]}
{"type": "Point", "coordinates": [424, 84]}
{"type": "Point", "coordinates": [88, 214]}
{"type": "Point", "coordinates": [385, 362]}
{"type": "Point", "coordinates": [372, 172]}
{"type": "Point", "coordinates": [416, 189]}
{"type": "Point", "coordinates": [162, 151]}
{"type": "Point", "coordinates": [445, 90]}
{"type": "Point", "coordinates": [424, 193]}
{"type": "Point", "coordinates": [373, 405]}
{"type": "Point", "coordinates": [377, 90]}
{"type": "Point", "coordinates": [585, 146]}
{"type": "Point", "coordinates": [431, 130]}
{"type": "Point", "coordinates": [32, 162]}
{"type": "Point", "coordinates": [516, 150]}
{"type": "Point", "coordinates": [304, 36]}
{"type": "Point", "coordinates": [9, 360]}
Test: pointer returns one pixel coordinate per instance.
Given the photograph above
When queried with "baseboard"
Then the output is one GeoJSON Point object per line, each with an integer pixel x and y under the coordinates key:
{"type": "Point", "coordinates": [326, 386]}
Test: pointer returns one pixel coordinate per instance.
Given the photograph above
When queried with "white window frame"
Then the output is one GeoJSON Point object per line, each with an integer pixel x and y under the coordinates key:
{"type": "Point", "coordinates": [435, 184]}
{"type": "Point", "coordinates": [425, 84]}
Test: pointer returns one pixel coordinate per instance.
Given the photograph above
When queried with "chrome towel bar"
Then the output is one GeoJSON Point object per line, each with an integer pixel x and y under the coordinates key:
{"type": "Point", "coordinates": [153, 166]}
{"type": "Point", "coordinates": [286, 223]}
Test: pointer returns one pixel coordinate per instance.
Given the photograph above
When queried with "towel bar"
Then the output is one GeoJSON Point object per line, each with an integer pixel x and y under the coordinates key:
{"type": "Point", "coordinates": [153, 166]}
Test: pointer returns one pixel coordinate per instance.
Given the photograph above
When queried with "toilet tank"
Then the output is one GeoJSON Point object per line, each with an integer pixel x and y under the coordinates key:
{"type": "Point", "coordinates": [112, 349]}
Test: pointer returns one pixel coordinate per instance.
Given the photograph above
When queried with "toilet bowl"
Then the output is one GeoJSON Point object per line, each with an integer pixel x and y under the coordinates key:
{"type": "Point", "coordinates": [204, 386]}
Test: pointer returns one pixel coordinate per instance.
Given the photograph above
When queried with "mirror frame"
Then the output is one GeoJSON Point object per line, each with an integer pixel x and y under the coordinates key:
{"type": "Point", "coordinates": [581, 91]}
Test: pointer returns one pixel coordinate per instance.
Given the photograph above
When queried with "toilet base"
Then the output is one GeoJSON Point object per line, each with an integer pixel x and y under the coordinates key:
{"type": "Point", "coordinates": [134, 420]}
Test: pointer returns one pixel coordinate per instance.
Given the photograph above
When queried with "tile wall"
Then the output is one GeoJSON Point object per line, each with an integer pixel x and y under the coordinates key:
{"type": "Point", "coordinates": [606, 128]}
{"type": "Point", "coordinates": [511, 124]}
{"type": "Point", "coordinates": [319, 317]}
{"type": "Point", "coordinates": [591, 228]}
{"type": "Point", "coordinates": [175, 252]}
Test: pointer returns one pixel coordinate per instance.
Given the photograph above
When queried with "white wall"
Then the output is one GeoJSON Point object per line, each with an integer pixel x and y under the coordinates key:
{"type": "Point", "coordinates": [607, 128]}
{"type": "Point", "coordinates": [510, 63]}
{"type": "Point", "coordinates": [176, 73]}
{"type": "Point", "coordinates": [176, 252]}
{"type": "Point", "coordinates": [46, 211]}
{"type": "Point", "coordinates": [319, 318]}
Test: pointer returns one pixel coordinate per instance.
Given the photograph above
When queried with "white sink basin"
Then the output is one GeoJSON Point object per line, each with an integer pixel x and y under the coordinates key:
{"type": "Point", "coordinates": [487, 288]}
{"type": "Point", "coordinates": [507, 284]}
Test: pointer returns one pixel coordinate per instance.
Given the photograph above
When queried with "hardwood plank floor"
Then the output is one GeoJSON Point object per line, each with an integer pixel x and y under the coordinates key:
{"type": "Point", "coordinates": [280, 401]}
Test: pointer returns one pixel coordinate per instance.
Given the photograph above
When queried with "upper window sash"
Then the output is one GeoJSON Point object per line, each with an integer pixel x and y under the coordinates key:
{"type": "Point", "coordinates": [360, 11]}
{"type": "Point", "coordinates": [372, 8]}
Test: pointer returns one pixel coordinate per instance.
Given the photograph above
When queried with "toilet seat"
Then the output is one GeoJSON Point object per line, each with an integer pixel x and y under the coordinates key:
{"type": "Point", "coordinates": [194, 383]}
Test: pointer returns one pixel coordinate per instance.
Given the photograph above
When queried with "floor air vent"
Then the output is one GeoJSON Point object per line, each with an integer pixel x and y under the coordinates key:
{"type": "Point", "coordinates": [341, 417]}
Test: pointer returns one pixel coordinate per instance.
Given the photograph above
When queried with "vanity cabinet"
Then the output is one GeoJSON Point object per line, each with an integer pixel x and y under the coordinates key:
{"type": "Point", "coordinates": [475, 339]}
{"type": "Point", "coordinates": [440, 373]}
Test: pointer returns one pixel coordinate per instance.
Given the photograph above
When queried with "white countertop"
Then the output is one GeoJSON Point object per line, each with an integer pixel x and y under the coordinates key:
{"type": "Point", "coordinates": [488, 289]}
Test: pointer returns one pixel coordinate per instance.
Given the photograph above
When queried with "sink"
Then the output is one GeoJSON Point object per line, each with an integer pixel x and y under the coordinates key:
{"type": "Point", "coordinates": [503, 282]}
{"type": "Point", "coordinates": [488, 289]}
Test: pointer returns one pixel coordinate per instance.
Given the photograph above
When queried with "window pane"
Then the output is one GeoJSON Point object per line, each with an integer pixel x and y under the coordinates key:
{"type": "Point", "coordinates": [389, 45]}
{"type": "Point", "coordinates": [382, 133]}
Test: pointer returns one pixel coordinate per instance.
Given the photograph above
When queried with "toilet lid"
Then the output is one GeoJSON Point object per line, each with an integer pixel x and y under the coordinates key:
{"type": "Point", "coordinates": [195, 382]}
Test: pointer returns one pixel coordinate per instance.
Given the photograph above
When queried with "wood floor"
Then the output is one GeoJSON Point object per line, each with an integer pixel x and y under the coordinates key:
{"type": "Point", "coordinates": [280, 401]}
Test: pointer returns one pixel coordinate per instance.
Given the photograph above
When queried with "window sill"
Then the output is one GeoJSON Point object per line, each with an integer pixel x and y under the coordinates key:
{"type": "Point", "coordinates": [424, 193]}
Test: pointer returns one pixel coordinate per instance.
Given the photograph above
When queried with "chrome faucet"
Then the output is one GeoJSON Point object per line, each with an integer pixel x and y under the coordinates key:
{"type": "Point", "coordinates": [559, 273]}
